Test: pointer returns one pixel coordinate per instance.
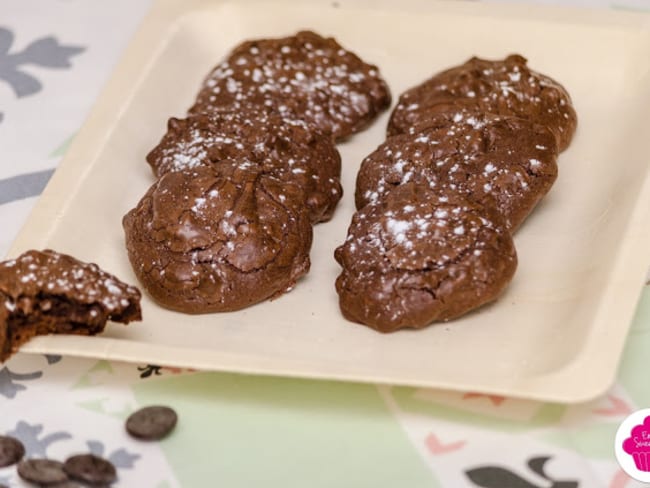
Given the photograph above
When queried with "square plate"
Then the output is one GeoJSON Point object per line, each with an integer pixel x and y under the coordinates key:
{"type": "Point", "coordinates": [557, 333]}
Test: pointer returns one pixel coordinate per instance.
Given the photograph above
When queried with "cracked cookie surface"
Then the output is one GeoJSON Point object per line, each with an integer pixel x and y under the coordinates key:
{"type": "Point", "coordinates": [302, 77]}
{"type": "Point", "coordinates": [503, 87]}
{"type": "Point", "coordinates": [218, 238]}
{"type": "Point", "coordinates": [499, 160]}
{"type": "Point", "coordinates": [288, 150]}
{"type": "Point", "coordinates": [419, 256]}
{"type": "Point", "coordinates": [43, 292]}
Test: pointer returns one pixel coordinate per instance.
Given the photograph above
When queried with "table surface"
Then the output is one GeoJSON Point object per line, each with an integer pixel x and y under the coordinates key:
{"type": "Point", "coordinates": [236, 430]}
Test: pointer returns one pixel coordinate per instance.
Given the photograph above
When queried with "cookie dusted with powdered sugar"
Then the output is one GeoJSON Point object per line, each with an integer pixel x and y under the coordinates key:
{"type": "Point", "coordinates": [506, 87]}
{"type": "Point", "coordinates": [420, 256]}
{"type": "Point", "coordinates": [497, 160]}
{"type": "Point", "coordinates": [303, 77]}
{"type": "Point", "coordinates": [218, 238]}
{"type": "Point", "coordinates": [288, 150]}
{"type": "Point", "coordinates": [46, 292]}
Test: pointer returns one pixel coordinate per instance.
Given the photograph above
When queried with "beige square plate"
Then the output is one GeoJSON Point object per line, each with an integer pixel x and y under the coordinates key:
{"type": "Point", "coordinates": [558, 332]}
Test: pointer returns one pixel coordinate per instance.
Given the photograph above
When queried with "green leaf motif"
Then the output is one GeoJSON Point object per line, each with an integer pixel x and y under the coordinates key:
{"type": "Point", "coordinates": [98, 405]}
{"type": "Point", "coordinates": [62, 148]}
{"type": "Point", "coordinates": [88, 379]}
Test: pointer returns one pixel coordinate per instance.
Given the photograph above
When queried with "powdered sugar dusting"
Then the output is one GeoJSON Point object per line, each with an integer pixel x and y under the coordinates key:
{"type": "Point", "coordinates": [489, 157]}
{"type": "Point", "coordinates": [504, 87]}
{"type": "Point", "coordinates": [398, 229]}
{"type": "Point", "coordinates": [298, 76]}
{"type": "Point", "coordinates": [251, 140]}
{"type": "Point", "coordinates": [37, 273]}
{"type": "Point", "coordinates": [397, 262]}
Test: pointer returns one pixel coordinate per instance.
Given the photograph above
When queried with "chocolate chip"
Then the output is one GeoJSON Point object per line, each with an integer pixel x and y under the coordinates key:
{"type": "Point", "coordinates": [42, 471]}
{"type": "Point", "coordinates": [90, 469]}
{"type": "Point", "coordinates": [11, 451]}
{"type": "Point", "coordinates": [151, 423]}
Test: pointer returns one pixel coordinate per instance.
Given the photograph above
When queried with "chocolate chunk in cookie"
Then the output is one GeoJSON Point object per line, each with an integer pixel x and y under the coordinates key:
{"type": "Point", "coordinates": [494, 159]}
{"type": "Point", "coordinates": [45, 292]}
{"type": "Point", "coordinates": [505, 87]}
{"type": "Point", "coordinates": [11, 451]}
{"type": "Point", "coordinates": [303, 77]}
{"type": "Point", "coordinates": [218, 238]}
{"type": "Point", "coordinates": [420, 256]}
{"type": "Point", "coordinates": [151, 423]}
{"type": "Point", "coordinates": [288, 150]}
{"type": "Point", "coordinates": [42, 472]}
{"type": "Point", "coordinates": [91, 469]}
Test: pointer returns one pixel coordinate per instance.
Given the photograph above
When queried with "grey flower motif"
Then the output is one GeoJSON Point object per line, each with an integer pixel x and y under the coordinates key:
{"type": "Point", "coordinates": [498, 477]}
{"type": "Point", "coordinates": [120, 458]}
{"type": "Point", "coordinates": [45, 52]}
{"type": "Point", "coordinates": [2, 116]}
{"type": "Point", "coordinates": [30, 436]}
{"type": "Point", "coordinates": [53, 358]}
{"type": "Point", "coordinates": [8, 385]}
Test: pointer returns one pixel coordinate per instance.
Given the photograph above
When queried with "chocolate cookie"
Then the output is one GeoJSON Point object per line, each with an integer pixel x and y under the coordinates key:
{"type": "Point", "coordinates": [505, 87]}
{"type": "Point", "coordinates": [494, 159]}
{"type": "Point", "coordinates": [303, 77]}
{"type": "Point", "coordinates": [218, 238]}
{"type": "Point", "coordinates": [288, 150]}
{"type": "Point", "coordinates": [44, 292]}
{"type": "Point", "coordinates": [420, 256]}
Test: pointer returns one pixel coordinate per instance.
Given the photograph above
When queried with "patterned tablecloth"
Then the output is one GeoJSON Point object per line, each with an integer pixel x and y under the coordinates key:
{"type": "Point", "coordinates": [245, 431]}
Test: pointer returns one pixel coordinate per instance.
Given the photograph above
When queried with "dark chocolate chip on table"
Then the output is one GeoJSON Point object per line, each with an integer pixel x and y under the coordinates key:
{"type": "Point", "coordinates": [11, 451]}
{"type": "Point", "coordinates": [90, 469]}
{"type": "Point", "coordinates": [42, 471]}
{"type": "Point", "coordinates": [151, 423]}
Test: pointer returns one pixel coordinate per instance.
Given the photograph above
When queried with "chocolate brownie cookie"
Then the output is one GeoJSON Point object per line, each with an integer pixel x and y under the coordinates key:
{"type": "Point", "coordinates": [288, 150]}
{"type": "Point", "coordinates": [43, 292]}
{"type": "Point", "coordinates": [505, 87]}
{"type": "Point", "coordinates": [494, 159]}
{"type": "Point", "coordinates": [421, 255]}
{"type": "Point", "coordinates": [303, 77]}
{"type": "Point", "coordinates": [218, 238]}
